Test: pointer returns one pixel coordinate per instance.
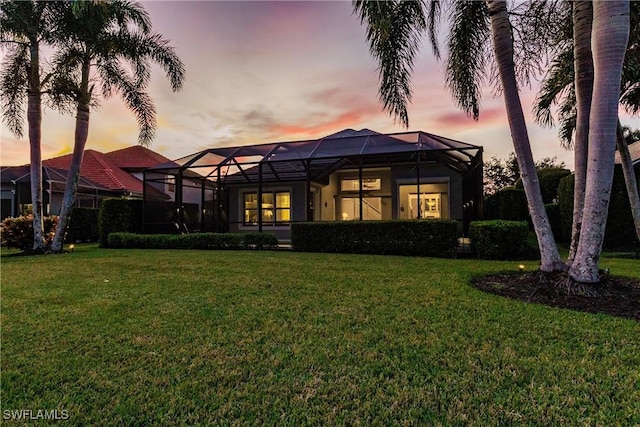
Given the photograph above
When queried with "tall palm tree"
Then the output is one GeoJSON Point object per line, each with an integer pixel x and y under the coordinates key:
{"type": "Point", "coordinates": [610, 34]}
{"type": "Point", "coordinates": [471, 23]}
{"type": "Point", "coordinates": [109, 51]}
{"type": "Point", "coordinates": [24, 25]}
{"type": "Point", "coordinates": [559, 88]}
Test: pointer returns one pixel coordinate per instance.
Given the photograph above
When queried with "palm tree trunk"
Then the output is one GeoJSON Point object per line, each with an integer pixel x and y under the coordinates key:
{"type": "Point", "coordinates": [582, 20]}
{"type": "Point", "coordinates": [34, 119]}
{"type": "Point", "coordinates": [610, 34]}
{"type": "Point", "coordinates": [503, 48]}
{"type": "Point", "coordinates": [80, 140]}
{"type": "Point", "coordinates": [629, 178]}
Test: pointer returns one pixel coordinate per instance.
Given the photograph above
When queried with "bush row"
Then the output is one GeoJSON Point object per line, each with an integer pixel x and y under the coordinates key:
{"type": "Point", "coordinates": [18, 232]}
{"type": "Point", "coordinates": [192, 241]}
{"type": "Point", "coordinates": [499, 239]}
{"type": "Point", "coordinates": [437, 238]}
{"type": "Point", "coordinates": [119, 215]}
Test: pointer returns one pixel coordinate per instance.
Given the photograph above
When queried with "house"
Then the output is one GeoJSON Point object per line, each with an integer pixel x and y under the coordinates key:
{"type": "Point", "coordinates": [350, 175]}
{"type": "Point", "coordinates": [114, 174]}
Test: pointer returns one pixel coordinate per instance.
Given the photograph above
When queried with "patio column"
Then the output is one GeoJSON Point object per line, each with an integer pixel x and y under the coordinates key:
{"type": "Point", "coordinates": [218, 202]}
{"type": "Point", "coordinates": [179, 207]}
{"type": "Point", "coordinates": [202, 204]}
{"type": "Point", "coordinates": [144, 199]}
{"type": "Point", "coordinates": [360, 186]}
{"type": "Point", "coordinates": [418, 184]}
{"type": "Point", "coordinates": [260, 197]}
{"type": "Point", "coordinates": [309, 194]}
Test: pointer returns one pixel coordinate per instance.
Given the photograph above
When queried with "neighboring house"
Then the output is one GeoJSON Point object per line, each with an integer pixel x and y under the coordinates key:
{"type": "Point", "coordinates": [350, 175]}
{"type": "Point", "coordinates": [114, 174]}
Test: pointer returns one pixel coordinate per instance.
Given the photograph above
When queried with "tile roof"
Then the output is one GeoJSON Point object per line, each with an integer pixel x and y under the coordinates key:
{"type": "Point", "coordinates": [100, 169]}
{"type": "Point", "coordinates": [136, 158]}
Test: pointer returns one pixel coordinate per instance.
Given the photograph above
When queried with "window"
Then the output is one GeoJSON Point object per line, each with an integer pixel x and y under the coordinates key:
{"type": "Point", "coordinates": [371, 208]}
{"type": "Point", "coordinates": [428, 205]}
{"type": "Point", "coordinates": [368, 184]}
{"type": "Point", "coordinates": [276, 208]}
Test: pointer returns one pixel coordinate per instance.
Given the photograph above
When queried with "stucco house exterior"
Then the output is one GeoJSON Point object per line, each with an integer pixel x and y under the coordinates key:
{"type": "Point", "coordinates": [350, 175]}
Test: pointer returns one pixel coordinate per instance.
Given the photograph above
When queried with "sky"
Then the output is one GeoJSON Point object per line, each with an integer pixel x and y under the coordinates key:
{"type": "Point", "coordinates": [259, 72]}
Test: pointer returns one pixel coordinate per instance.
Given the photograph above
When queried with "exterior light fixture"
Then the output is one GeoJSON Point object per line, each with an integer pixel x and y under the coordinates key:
{"type": "Point", "coordinates": [71, 247]}
{"type": "Point", "coordinates": [521, 267]}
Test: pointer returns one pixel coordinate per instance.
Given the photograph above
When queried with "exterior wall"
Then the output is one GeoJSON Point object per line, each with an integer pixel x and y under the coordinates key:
{"type": "Point", "coordinates": [395, 185]}
{"type": "Point", "coordinates": [282, 232]}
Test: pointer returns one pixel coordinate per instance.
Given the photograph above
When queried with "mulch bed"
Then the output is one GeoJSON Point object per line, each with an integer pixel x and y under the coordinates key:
{"type": "Point", "coordinates": [615, 296]}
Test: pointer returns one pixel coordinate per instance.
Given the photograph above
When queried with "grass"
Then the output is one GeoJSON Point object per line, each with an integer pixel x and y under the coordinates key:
{"type": "Point", "coordinates": [128, 337]}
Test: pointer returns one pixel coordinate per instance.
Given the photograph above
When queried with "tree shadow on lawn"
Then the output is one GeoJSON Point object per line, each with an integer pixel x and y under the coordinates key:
{"type": "Point", "coordinates": [615, 296]}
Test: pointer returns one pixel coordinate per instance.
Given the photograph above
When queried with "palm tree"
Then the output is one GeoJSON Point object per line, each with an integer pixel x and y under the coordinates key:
{"type": "Point", "coordinates": [559, 88]}
{"type": "Point", "coordinates": [610, 34]}
{"type": "Point", "coordinates": [24, 25]}
{"type": "Point", "coordinates": [471, 23]}
{"type": "Point", "coordinates": [108, 51]}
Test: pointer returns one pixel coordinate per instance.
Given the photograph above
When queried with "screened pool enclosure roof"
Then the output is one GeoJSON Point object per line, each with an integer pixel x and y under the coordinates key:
{"type": "Point", "coordinates": [317, 158]}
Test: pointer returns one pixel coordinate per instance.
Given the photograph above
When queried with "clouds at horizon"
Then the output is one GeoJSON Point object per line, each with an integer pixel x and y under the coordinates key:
{"type": "Point", "coordinates": [277, 71]}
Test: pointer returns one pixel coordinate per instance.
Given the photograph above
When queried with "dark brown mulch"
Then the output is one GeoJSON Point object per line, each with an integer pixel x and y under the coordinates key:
{"type": "Point", "coordinates": [616, 296]}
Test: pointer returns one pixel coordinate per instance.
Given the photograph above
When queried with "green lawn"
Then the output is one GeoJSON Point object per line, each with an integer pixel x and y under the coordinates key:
{"type": "Point", "coordinates": [128, 337]}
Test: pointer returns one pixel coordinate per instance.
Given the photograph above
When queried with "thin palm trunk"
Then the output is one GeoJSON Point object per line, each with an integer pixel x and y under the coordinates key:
{"type": "Point", "coordinates": [503, 48]}
{"type": "Point", "coordinates": [80, 140]}
{"type": "Point", "coordinates": [629, 178]}
{"type": "Point", "coordinates": [34, 119]}
{"type": "Point", "coordinates": [610, 33]}
{"type": "Point", "coordinates": [583, 65]}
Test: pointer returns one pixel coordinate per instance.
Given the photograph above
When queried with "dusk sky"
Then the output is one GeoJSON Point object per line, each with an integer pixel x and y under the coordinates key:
{"type": "Point", "coordinates": [278, 71]}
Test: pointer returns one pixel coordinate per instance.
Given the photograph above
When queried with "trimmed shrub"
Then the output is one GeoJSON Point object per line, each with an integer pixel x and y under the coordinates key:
{"type": "Point", "coordinates": [508, 204]}
{"type": "Point", "coordinates": [83, 226]}
{"type": "Point", "coordinates": [218, 241]}
{"type": "Point", "coordinates": [549, 179]}
{"type": "Point", "coordinates": [437, 238]}
{"type": "Point", "coordinates": [118, 214]}
{"type": "Point", "coordinates": [553, 213]}
{"type": "Point", "coordinates": [499, 239]}
{"type": "Point", "coordinates": [565, 204]}
{"type": "Point", "coordinates": [18, 232]}
{"type": "Point", "coordinates": [620, 230]}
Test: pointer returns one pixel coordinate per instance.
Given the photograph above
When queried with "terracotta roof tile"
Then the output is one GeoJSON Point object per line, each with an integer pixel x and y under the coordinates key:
{"type": "Point", "coordinates": [136, 157]}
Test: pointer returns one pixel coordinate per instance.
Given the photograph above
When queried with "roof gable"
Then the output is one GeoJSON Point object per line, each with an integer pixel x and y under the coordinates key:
{"type": "Point", "coordinates": [136, 157]}
{"type": "Point", "coordinates": [100, 169]}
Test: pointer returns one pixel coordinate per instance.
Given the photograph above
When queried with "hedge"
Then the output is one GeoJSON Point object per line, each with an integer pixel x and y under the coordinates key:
{"type": "Point", "coordinates": [508, 204]}
{"type": "Point", "coordinates": [17, 232]}
{"type": "Point", "coordinates": [436, 238]}
{"type": "Point", "coordinates": [192, 241]}
{"type": "Point", "coordinates": [620, 230]}
{"type": "Point", "coordinates": [549, 179]}
{"type": "Point", "coordinates": [499, 239]}
{"type": "Point", "coordinates": [83, 226]}
{"type": "Point", "coordinates": [119, 214]}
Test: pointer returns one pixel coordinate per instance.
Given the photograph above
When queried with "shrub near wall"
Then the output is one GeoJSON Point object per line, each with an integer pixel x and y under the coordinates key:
{"type": "Point", "coordinates": [83, 226]}
{"type": "Point", "coordinates": [508, 204]}
{"type": "Point", "coordinates": [18, 232]}
{"type": "Point", "coordinates": [118, 214]}
{"type": "Point", "coordinates": [193, 241]}
{"type": "Point", "coordinates": [437, 238]}
{"type": "Point", "coordinates": [620, 229]}
{"type": "Point", "coordinates": [499, 239]}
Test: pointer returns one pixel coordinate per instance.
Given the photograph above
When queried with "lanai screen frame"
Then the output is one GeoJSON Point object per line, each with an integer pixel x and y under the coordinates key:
{"type": "Point", "coordinates": [312, 160]}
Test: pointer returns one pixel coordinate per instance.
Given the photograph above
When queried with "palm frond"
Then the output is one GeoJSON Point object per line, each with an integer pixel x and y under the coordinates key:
{"type": "Point", "coordinates": [433, 17]}
{"type": "Point", "coordinates": [394, 30]}
{"type": "Point", "coordinates": [557, 82]}
{"type": "Point", "coordinates": [115, 78]}
{"type": "Point", "coordinates": [13, 88]}
{"type": "Point", "coordinates": [467, 45]}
